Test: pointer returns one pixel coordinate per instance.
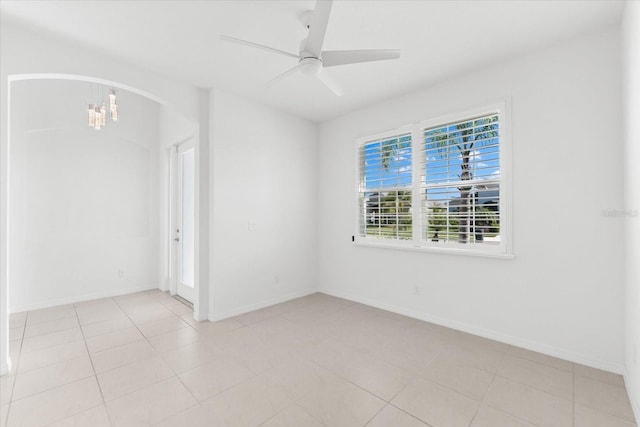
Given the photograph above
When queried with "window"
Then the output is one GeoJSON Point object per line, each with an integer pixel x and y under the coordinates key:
{"type": "Point", "coordinates": [386, 187]}
{"type": "Point", "coordinates": [437, 185]}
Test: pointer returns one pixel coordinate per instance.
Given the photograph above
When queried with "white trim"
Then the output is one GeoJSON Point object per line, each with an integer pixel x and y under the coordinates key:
{"type": "Point", "coordinates": [82, 78]}
{"type": "Point", "coordinates": [571, 356]}
{"type": "Point", "coordinates": [392, 244]}
{"type": "Point", "coordinates": [213, 317]}
{"type": "Point", "coordinates": [634, 397]}
{"type": "Point", "coordinates": [81, 298]}
{"type": "Point", "coordinates": [184, 291]}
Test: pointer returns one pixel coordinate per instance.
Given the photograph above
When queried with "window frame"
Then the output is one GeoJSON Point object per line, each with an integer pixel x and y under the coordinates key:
{"type": "Point", "coordinates": [405, 243]}
{"type": "Point", "coordinates": [504, 248]}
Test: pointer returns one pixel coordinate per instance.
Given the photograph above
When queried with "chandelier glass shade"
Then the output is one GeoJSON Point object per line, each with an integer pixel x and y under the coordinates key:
{"type": "Point", "coordinates": [97, 113]}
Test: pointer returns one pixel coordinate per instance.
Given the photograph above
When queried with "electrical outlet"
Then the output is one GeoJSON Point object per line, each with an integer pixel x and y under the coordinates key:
{"type": "Point", "coordinates": [276, 279]}
{"type": "Point", "coordinates": [417, 290]}
{"type": "Point", "coordinates": [251, 226]}
{"type": "Point", "coordinates": [121, 273]}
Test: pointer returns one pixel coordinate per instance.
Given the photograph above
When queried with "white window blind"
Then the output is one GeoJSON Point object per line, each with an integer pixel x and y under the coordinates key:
{"type": "Point", "coordinates": [461, 183]}
{"type": "Point", "coordinates": [385, 187]}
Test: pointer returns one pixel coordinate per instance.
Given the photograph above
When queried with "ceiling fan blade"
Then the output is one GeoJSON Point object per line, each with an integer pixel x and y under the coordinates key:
{"type": "Point", "coordinates": [318, 27]}
{"type": "Point", "coordinates": [281, 76]}
{"type": "Point", "coordinates": [330, 83]}
{"type": "Point", "coordinates": [257, 46]}
{"type": "Point", "coordinates": [343, 57]}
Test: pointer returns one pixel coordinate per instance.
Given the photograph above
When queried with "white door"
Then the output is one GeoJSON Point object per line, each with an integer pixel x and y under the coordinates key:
{"type": "Point", "coordinates": [184, 229]}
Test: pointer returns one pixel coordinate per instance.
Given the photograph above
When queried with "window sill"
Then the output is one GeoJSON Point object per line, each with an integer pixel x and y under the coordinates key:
{"type": "Point", "coordinates": [448, 251]}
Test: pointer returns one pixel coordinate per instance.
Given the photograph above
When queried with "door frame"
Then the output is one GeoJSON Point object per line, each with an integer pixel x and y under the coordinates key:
{"type": "Point", "coordinates": [175, 182]}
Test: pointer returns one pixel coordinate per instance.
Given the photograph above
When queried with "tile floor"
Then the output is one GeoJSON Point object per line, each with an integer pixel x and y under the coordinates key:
{"type": "Point", "coordinates": [141, 360]}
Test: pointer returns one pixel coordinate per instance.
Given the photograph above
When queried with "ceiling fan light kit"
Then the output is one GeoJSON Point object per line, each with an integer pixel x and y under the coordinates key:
{"type": "Point", "coordinates": [311, 58]}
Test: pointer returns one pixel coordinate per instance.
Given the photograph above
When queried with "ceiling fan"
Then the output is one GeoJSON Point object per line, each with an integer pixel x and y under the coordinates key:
{"type": "Point", "coordinates": [312, 59]}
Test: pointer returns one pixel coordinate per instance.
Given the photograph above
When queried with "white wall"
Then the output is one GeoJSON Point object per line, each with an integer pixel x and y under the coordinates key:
{"type": "Point", "coordinates": [25, 52]}
{"type": "Point", "coordinates": [83, 203]}
{"type": "Point", "coordinates": [631, 93]}
{"type": "Point", "coordinates": [264, 170]}
{"type": "Point", "coordinates": [563, 292]}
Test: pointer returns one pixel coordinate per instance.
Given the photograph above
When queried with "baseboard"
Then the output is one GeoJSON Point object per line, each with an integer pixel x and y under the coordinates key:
{"type": "Point", "coordinates": [634, 397]}
{"type": "Point", "coordinates": [214, 317]}
{"type": "Point", "coordinates": [486, 333]}
{"type": "Point", "coordinates": [80, 298]}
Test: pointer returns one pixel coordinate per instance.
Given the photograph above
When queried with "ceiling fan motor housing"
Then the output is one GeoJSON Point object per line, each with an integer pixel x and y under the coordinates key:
{"type": "Point", "coordinates": [309, 65]}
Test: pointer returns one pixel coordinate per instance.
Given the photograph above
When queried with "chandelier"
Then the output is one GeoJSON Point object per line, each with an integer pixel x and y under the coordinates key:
{"type": "Point", "coordinates": [97, 113]}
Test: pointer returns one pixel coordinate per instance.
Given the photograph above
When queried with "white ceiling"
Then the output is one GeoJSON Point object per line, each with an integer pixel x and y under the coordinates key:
{"type": "Point", "coordinates": [438, 39]}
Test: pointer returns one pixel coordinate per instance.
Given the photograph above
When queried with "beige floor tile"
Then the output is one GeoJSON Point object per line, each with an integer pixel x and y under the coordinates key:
{"type": "Point", "coordinates": [17, 319]}
{"type": "Point", "coordinates": [598, 375]}
{"type": "Point", "coordinates": [214, 377]}
{"type": "Point", "coordinates": [214, 329]}
{"type": "Point", "coordinates": [148, 314]}
{"type": "Point", "coordinates": [187, 317]}
{"type": "Point", "coordinates": [465, 379]}
{"type": "Point", "coordinates": [241, 337]}
{"type": "Point", "coordinates": [536, 375]}
{"type": "Point", "coordinates": [102, 312]}
{"type": "Point", "coordinates": [127, 379]}
{"type": "Point", "coordinates": [195, 416]}
{"type": "Point", "coordinates": [280, 331]}
{"type": "Point", "coordinates": [50, 314]}
{"type": "Point", "coordinates": [49, 340]}
{"type": "Point", "coordinates": [180, 309]}
{"type": "Point", "coordinates": [94, 303]}
{"type": "Point", "coordinates": [4, 411]}
{"type": "Point", "coordinates": [477, 353]}
{"type": "Point", "coordinates": [47, 327]}
{"type": "Point", "coordinates": [530, 404]}
{"type": "Point", "coordinates": [161, 326]}
{"type": "Point", "coordinates": [104, 327]}
{"type": "Point", "coordinates": [392, 416]}
{"type": "Point", "coordinates": [317, 360]}
{"type": "Point", "coordinates": [94, 417]}
{"type": "Point", "coordinates": [406, 353]}
{"type": "Point", "coordinates": [51, 355]}
{"type": "Point", "coordinates": [301, 378]}
{"type": "Point", "coordinates": [423, 331]}
{"type": "Point", "coordinates": [189, 356]}
{"type": "Point", "coordinates": [588, 417]}
{"type": "Point", "coordinates": [14, 356]}
{"type": "Point", "coordinates": [16, 334]}
{"type": "Point", "coordinates": [6, 388]}
{"type": "Point", "coordinates": [48, 377]}
{"type": "Point", "coordinates": [260, 315]}
{"type": "Point", "coordinates": [260, 357]}
{"type": "Point", "coordinates": [249, 403]}
{"type": "Point", "coordinates": [377, 377]}
{"type": "Point", "coordinates": [435, 405]}
{"type": "Point", "coordinates": [604, 397]}
{"type": "Point", "coordinates": [122, 355]}
{"type": "Point", "coordinates": [55, 404]}
{"type": "Point", "coordinates": [150, 405]}
{"type": "Point", "coordinates": [114, 339]}
{"type": "Point", "coordinates": [544, 359]}
{"type": "Point", "coordinates": [356, 313]}
{"type": "Point", "coordinates": [174, 339]}
{"type": "Point", "coordinates": [491, 417]}
{"type": "Point", "coordinates": [292, 416]}
{"type": "Point", "coordinates": [340, 403]}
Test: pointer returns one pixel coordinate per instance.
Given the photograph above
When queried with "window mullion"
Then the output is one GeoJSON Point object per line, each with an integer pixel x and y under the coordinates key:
{"type": "Point", "coordinates": [416, 179]}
